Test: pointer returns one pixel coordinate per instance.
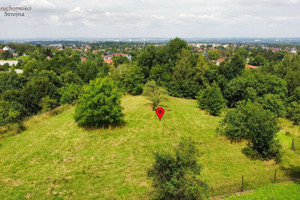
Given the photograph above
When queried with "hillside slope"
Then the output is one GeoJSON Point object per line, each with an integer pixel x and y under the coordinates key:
{"type": "Point", "coordinates": [55, 159]}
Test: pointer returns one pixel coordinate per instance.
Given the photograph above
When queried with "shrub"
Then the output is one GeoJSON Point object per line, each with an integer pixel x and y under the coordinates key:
{"type": "Point", "coordinates": [11, 112]}
{"type": "Point", "coordinates": [175, 176]}
{"type": "Point", "coordinates": [211, 99]}
{"type": "Point", "coordinates": [155, 93]}
{"type": "Point", "coordinates": [293, 112]}
{"type": "Point", "coordinates": [259, 126]}
{"type": "Point", "coordinates": [133, 80]}
{"type": "Point", "coordinates": [71, 77]}
{"type": "Point", "coordinates": [42, 84]}
{"type": "Point", "coordinates": [274, 103]}
{"type": "Point", "coordinates": [70, 93]}
{"type": "Point", "coordinates": [99, 105]}
{"type": "Point", "coordinates": [47, 104]}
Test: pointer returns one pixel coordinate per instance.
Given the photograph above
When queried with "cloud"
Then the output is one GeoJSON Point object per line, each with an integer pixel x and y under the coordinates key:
{"type": "Point", "coordinates": [156, 18]}
{"type": "Point", "coordinates": [214, 16]}
{"type": "Point", "coordinates": [38, 4]}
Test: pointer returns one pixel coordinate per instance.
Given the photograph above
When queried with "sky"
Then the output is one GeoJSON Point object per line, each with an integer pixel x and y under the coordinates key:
{"type": "Point", "coordinates": [152, 18]}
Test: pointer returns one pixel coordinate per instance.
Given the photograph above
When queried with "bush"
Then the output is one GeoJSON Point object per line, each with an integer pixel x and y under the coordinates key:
{"type": "Point", "coordinates": [100, 105]}
{"type": "Point", "coordinates": [211, 99]}
{"type": "Point", "coordinates": [42, 84]}
{"type": "Point", "coordinates": [4, 67]}
{"type": "Point", "coordinates": [70, 93]}
{"type": "Point", "coordinates": [293, 112]}
{"type": "Point", "coordinates": [274, 103]}
{"type": "Point", "coordinates": [259, 126]}
{"type": "Point", "coordinates": [133, 80]}
{"type": "Point", "coordinates": [48, 104]}
{"type": "Point", "coordinates": [258, 85]}
{"type": "Point", "coordinates": [70, 77]}
{"type": "Point", "coordinates": [155, 93]}
{"type": "Point", "coordinates": [175, 175]}
{"type": "Point", "coordinates": [11, 112]}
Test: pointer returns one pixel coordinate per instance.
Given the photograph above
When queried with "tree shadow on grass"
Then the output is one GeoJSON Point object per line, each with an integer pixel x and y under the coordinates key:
{"type": "Point", "coordinates": [107, 127]}
{"type": "Point", "coordinates": [293, 172]}
{"type": "Point", "coordinates": [162, 105]}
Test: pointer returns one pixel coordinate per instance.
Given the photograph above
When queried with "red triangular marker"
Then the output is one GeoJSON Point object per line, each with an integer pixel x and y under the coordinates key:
{"type": "Point", "coordinates": [160, 112]}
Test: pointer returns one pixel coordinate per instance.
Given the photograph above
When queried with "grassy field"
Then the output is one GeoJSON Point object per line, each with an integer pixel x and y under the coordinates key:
{"type": "Point", "coordinates": [272, 192]}
{"type": "Point", "coordinates": [55, 159]}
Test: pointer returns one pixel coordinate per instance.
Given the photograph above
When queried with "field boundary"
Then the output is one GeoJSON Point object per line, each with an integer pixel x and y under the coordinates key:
{"type": "Point", "coordinates": [222, 196]}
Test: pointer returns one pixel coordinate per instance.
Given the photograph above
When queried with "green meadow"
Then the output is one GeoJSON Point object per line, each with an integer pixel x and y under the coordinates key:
{"type": "Point", "coordinates": [275, 192]}
{"type": "Point", "coordinates": [55, 159]}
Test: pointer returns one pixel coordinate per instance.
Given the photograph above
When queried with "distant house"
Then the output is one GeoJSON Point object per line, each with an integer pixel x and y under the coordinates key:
{"type": "Point", "coordinates": [108, 58]}
{"type": "Point", "coordinates": [218, 62]}
{"type": "Point", "coordinates": [18, 71]}
{"type": "Point", "coordinates": [293, 51]}
{"type": "Point", "coordinates": [9, 62]}
{"type": "Point", "coordinates": [56, 46]}
{"type": "Point", "coordinates": [7, 48]}
{"type": "Point", "coordinates": [251, 67]}
{"type": "Point", "coordinates": [83, 59]}
{"type": "Point", "coordinates": [48, 57]}
{"type": "Point", "coordinates": [123, 54]}
{"type": "Point", "coordinates": [108, 61]}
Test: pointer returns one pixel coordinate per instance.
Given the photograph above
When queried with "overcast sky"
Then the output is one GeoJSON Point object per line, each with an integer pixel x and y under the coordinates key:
{"type": "Point", "coordinates": [153, 18]}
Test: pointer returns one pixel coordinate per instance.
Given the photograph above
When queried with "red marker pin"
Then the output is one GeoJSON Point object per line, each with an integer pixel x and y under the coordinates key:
{"type": "Point", "coordinates": [160, 112]}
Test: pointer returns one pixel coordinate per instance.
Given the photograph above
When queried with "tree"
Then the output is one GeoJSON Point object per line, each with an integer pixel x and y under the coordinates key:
{"type": "Point", "coordinates": [11, 80]}
{"type": "Point", "coordinates": [292, 79]}
{"type": "Point", "coordinates": [235, 67]}
{"type": "Point", "coordinates": [70, 77]}
{"type": "Point", "coordinates": [134, 79]}
{"type": "Point", "coordinates": [295, 95]}
{"type": "Point", "coordinates": [4, 67]}
{"type": "Point", "coordinates": [211, 99]}
{"type": "Point", "coordinates": [201, 69]}
{"type": "Point", "coordinates": [155, 93]}
{"type": "Point", "coordinates": [242, 52]}
{"type": "Point", "coordinates": [258, 60]}
{"type": "Point", "coordinates": [88, 70]}
{"type": "Point", "coordinates": [213, 54]}
{"type": "Point", "coordinates": [146, 60]}
{"type": "Point", "coordinates": [175, 47]}
{"type": "Point", "coordinates": [251, 121]}
{"type": "Point", "coordinates": [160, 75]}
{"type": "Point", "coordinates": [6, 55]}
{"type": "Point", "coordinates": [175, 175]}
{"type": "Point", "coordinates": [11, 112]}
{"type": "Point", "coordinates": [250, 85]}
{"type": "Point", "coordinates": [47, 104]}
{"type": "Point", "coordinates": [183, 82]}
{"type": "Point", "coordinates": [275, 104]}
{"type": "Point", "coordinates": [44, 83]}
{"type": "Point", "coordinates": [293, 112]}
{"type": "Point", "coordinates": [293, 108]}
{"type": "Point", "coordinates": [100, 105]}
{"type": "Point", "coordinates": [118, 60]}
{"type": "Point", "coordinates": [30, 66]}
{"type": "Point", "coordinates": [70, 93]}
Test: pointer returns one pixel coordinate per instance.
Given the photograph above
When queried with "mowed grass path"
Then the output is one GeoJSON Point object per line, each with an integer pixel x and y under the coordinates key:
{"type": "Point", "coordinates": [55, 159]}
